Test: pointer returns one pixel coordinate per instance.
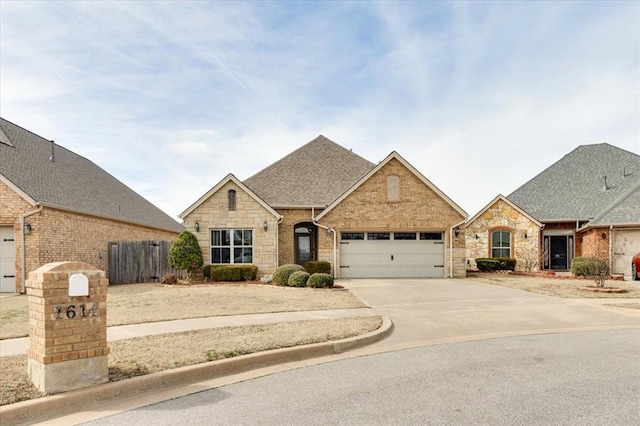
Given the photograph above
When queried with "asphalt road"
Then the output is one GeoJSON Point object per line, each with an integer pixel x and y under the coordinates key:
{"type": "Point", "coordinates": [584, 378]}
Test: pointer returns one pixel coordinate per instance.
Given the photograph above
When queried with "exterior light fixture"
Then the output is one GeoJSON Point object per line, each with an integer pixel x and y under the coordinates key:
{"type": "Point", "coordinates": [477, 237]}
{"type": "Point", "coordinates": [604, 235]}
{"type": "Point", "coordinates": [525, 235]}
{"type": "Point", "coordinates": [197, 226]}
{"type": "Point", "coordinates": [265, 226]}
{"type": "Point", "coordinates": [27, 228]}
{"type": "Point", "coordinates": [457, 232]}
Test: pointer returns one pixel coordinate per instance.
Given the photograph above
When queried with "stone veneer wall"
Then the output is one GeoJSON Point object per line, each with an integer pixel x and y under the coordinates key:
{"type": "Point", "coordinates": [214, 213]}
{"type": "Point", "coordinates": [419, 209]}
{"type": "Point", "coordinates": [60, 235]}
{"type": "Point", "coordinates": [502, 216]}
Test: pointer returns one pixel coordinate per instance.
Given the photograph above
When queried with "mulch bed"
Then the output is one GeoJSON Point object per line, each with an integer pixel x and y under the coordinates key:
{"type": "Point", "coordinates": [603, 289]}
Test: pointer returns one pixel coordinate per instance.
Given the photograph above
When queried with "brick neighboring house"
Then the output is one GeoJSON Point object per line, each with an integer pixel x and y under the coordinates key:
{"type": "Point", "coordinates": [323, 202]}
{"type": "Point", "coordinates": [56, 205]}
{"type": "Point", "coordinates": [585, 204]}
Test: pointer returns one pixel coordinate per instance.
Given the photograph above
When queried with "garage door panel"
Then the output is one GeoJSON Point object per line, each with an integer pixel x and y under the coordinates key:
{"type": "Point", "coordinates": [626, 245]}
{"type": "Point", "coordinates": [392, 259]}
{"type": "Point", "coordinates": [7, 260]}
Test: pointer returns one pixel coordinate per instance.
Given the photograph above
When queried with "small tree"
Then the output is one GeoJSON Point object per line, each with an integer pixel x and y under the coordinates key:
{"type": "Point", "coordinates": [185, 253]}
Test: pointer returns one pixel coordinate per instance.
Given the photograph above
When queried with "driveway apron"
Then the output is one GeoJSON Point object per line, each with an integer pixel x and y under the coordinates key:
{"type": "Point", "coordinates": [427, 311]}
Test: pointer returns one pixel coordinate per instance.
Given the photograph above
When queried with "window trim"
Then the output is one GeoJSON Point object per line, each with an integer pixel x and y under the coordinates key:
{"type": "Point", "coordinates": [232, 247]}
{"type": "Point", "coordinates": [491, 248]}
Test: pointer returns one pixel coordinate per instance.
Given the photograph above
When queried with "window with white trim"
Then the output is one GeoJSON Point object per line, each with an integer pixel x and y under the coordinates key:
{"type": "Point", "coordinates": [501, 244]}
{"type": "Point", "coordinates": [231, 246]}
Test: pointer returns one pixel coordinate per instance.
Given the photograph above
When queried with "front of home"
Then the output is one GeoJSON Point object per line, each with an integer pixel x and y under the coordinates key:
{"type": "Point", "coordinates": [585, 204]}
{"type": "Point", "coordinates": [57, 206]}
{"type": "Point", "coordinates": [323, 202]}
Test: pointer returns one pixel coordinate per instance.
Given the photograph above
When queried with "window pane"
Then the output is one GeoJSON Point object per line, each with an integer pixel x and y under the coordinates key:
{"type": "Point", "coordinates": [495, 239]}
{"type": "Point", "coordinates": [248, 254]}
{"type": "Point", "coordinates": [378, 236]}
{"type": "Point", "coordinates": [431, 236]}
{"type": "Point", "coordinates": [215, 255]}
{"type": "Point", "coordinates": [226, 238]}
{"type": "Point", "coordinates": [215, 238]}
{"type": "Point", "coordinates": [247, 238]}
{"type": "Point", "coordinates": [404, 235]}
{"type": "Point", "coordinates": [352, 236]}
{"type": "Point", "coordinates": [237, 238]}
{"type": "Point", "coordinates": [226, 255]}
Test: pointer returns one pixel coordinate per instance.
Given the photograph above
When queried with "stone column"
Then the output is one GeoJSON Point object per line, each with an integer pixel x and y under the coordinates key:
{"type": "Point", "coordinates": [67, 326]}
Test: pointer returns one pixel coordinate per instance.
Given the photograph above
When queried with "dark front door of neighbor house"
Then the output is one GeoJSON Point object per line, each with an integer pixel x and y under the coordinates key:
{"type": "Point", "coordinates": [558, 252]}
{"type": "Point", "coordinates": [305, 244]}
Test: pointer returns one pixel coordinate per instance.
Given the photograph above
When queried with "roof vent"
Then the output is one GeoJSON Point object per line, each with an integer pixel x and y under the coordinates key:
{"type": "Point", "coordinates": [53, 153]}
{"type": "Point", "coordinates": [606, 187]}
{"type": "Point", "coordinates": [624, 172]}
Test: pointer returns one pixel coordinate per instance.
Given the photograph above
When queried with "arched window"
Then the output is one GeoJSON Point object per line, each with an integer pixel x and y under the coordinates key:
{"type": "Point", "coordinates": [501, 244]}
{"type": "Point", "coordinates": [231, 198]}
{"type": "Point", "coordinates": [393, 188]}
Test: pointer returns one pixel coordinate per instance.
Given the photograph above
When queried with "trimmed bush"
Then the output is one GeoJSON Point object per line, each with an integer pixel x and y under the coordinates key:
{"type": "Point", "coordinates": [282, 273]}
{"type": "Point", "coordinates": [591, 267]}
{"type": "Point", "coordinates": [315, 266]}
{"type": "Point", "coordinates": [206, 271]}
{"type": "Point", "coordinates": [320, 280]}
{"type": "Point", "coordinates": [581, 266]}
{"type": "Point", "coordinates": [298, 279]}
{"type": "Point", "coordinates": [496, 264]}
{"type": "Point", "coordinates": [233, 272]}
{"type": "Point", "coordinates": [185, 253]}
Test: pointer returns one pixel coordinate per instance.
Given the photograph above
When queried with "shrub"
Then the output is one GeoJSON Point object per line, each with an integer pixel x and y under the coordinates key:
{"type": "Point", "coordinates": [496, 264]}
{"type": "Point", "coordinates": [169, 279]}
{"type": "Point", "coordinates": [282, 273]}
{"type": "Point", "coordinates": [233, 272]}
{"type": "Point", "coordinates": [315, 266]}
{"type": "Point", "coordinates": [320, 280]}
{"type": "Point", "coordinates": [185, 252]}
{"type": "Point", "coordinates": [206, 271]}
{"type": "Point", "coordinates": [592, 267]}
{"type": "Point", "coordinates": [298, 279]}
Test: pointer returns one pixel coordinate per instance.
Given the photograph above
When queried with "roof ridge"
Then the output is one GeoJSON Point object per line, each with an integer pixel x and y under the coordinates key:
{"type": "Point", "coordinates": [616, 202]}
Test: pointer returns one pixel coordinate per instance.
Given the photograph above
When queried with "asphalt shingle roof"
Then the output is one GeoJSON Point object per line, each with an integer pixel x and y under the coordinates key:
{"type": "Point", "coordinates": [573, 188]}
{"type": "Point", "coordinates": [72, 182]}
{"type": "Point", "coordinates": [312, 176]}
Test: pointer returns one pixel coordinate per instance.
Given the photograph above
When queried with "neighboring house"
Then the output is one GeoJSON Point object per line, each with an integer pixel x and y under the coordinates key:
{"type": "Point", "coordinates": [586, 204]}
{"type": "Point", "coordinates": [323, 202]}
{"type": "Point", "coordinates": [56, 205]}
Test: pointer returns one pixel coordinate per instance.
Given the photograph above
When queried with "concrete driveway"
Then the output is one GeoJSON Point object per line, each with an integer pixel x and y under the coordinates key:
{"type": "Point", "coordinates": [428, 311]}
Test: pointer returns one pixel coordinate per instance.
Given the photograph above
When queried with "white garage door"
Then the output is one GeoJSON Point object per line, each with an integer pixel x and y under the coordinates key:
{"type": "Point", "coordinates": [391, 255]}
{"type": "Point", "coordinates": [7, 260]}
{"type": "Point", "coordinates": [626, 244]}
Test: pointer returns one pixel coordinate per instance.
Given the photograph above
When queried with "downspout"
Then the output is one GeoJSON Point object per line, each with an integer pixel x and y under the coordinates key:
{"type": "Point", "coordinates": [451, 247]}
{"type": "Point", "coordinates": [23, 250]}
{"type": "Point", "coordinates": [335, 240]}
{"type": "Point", "coordinates": [278, 222]}
{"type": "Point", "coordinates": [611, 249]}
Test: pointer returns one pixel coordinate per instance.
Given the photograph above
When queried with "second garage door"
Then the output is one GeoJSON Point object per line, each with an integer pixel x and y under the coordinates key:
{"type": "Point", "coordinates": [626, 245]}
{"type": "Point", "coordinates": [391, 255]}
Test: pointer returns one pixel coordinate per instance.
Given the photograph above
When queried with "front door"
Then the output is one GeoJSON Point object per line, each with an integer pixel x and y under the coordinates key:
{"type": "Point", "coordinates": [558, 252]}
{"type": "Point", "coordinates": [305, 245]}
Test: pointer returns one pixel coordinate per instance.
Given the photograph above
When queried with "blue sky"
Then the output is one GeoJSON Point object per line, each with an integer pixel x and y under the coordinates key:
{"type": "Point", "coordinates": [170, 97]}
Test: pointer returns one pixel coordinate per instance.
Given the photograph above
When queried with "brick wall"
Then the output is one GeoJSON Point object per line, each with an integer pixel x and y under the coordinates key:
{"type": "Point", "coordinates": [291, 217]}
{"type": "Point", "coordinates": [593, 244]}
{"type": "Point", "coordinates": [419, 209]}
{"type": "Point", "coordinates": [214, 213]}
{"type": "Point", "coordinates": [59, 235]}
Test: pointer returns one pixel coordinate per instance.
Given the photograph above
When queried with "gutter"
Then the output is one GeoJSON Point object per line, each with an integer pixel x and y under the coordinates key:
{"type": "Point", "coordinates": [335, 240]}
{"type": "Point", "coordinates": [23, 249]}
{"type": "Point", "coordinates": [451, 246]}
{"type": "Point", "coordinates": [277, 226]}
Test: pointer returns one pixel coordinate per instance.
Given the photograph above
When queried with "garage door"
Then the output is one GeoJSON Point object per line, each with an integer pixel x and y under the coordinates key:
{"type": "Point", "coordinates": [626, 244]}
{"type": "Point", "coordinates": [7, 260]}
{"type": "Point", "coordinates": [391, 255]}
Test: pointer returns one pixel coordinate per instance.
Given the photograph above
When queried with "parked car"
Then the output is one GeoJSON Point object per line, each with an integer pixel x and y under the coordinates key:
{"type": "Point", "coordinates": [635, 267]}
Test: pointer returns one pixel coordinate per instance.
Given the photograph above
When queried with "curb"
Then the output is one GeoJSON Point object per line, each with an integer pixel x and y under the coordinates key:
{"type": "Point", "coordinates": [49, 407]}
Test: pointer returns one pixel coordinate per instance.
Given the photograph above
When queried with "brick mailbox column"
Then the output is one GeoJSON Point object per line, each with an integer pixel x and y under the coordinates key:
{"type": "Point", "coordinates": [67, 326]}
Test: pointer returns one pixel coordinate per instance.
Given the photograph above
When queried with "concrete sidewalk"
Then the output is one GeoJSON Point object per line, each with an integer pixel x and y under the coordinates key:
{"type": "Point", "coordinates": [19, 346]}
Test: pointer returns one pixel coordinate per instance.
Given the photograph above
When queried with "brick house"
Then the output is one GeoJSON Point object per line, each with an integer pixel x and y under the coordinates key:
{"type": "Point", "coordinates": [585, 204]}
{"type": "Point", "coordinates": [324, 202]}
{"type": "Point", "coordinates": [56, 205]}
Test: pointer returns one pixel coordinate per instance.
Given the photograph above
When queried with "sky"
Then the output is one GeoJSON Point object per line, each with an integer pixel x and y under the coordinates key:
{"type": "Point", "coordinates": [170, 97]}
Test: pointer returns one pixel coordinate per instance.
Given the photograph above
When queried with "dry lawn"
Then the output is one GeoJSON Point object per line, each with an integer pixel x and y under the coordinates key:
{"type": "Point", "coordinates": [139, 303]}
{"type": "Point", "coordinates": [558, 287]}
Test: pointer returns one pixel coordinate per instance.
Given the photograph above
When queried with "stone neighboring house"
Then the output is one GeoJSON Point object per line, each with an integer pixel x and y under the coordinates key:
{"type": "Point", "coordinates": [585, 204]}
{"type": "Point", "coordinates": [324, 202]}
{"type": "Point", "coordinates": [56, 205]}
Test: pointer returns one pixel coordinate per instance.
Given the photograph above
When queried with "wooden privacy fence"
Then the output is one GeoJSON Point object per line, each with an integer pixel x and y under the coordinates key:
{"type": "Point", "coordinates": [139, 261]}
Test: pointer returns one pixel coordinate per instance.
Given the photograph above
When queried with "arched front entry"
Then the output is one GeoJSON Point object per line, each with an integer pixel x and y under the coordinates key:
{"type": "Point", "coordinates": [305, 242]}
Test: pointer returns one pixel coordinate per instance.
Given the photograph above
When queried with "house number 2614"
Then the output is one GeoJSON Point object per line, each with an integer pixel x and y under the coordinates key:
{"type": "Point", "coordinates": [73, 311]}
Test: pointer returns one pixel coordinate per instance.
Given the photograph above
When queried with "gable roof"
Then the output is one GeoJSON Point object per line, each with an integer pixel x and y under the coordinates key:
{"type": "Point", "coordinates": [393, 155]}
{"type": "Point", "coordinates": [573, 188]}
{"type": "Point", "coordinates": [71, 182]}
{"type": "Point", "coordinates": [501, 197]}
{"type": "Point", "coordinates": [626, 211]}
{"type": "Point", "coordinates": [229, 178]}
{"type": "Point", "coordinates": [312, 176]}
